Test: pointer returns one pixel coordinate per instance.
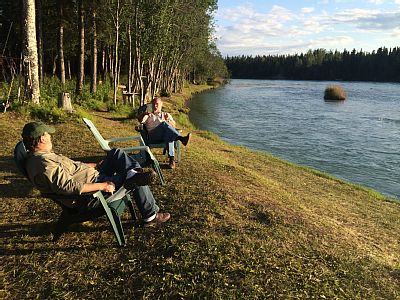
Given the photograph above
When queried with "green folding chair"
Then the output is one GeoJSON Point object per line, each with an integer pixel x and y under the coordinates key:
{"type": "Point", "coordinates": [112, 206]}
{"type": "Point", "coordinates": [142, 159]}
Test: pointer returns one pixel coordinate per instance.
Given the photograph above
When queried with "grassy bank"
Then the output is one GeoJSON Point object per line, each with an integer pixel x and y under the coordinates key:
{"type": "Point", "coordinates": [244, 225]}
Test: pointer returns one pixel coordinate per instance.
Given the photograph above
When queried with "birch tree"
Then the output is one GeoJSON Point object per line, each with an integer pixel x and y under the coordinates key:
{"type": "Point", "coordinates": [31, 51]}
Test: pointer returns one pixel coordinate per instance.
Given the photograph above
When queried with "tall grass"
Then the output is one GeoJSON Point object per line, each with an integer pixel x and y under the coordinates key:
{"type": "Point", "coordinates": [335, 92]}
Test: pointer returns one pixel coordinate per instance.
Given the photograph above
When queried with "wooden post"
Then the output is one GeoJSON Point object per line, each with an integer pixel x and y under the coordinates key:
{"type": "Point", "coordinates": [64, 101]}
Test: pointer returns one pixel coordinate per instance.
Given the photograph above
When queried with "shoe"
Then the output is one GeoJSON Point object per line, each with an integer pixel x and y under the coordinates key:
{"type": "Point", "coordinates": [158, 220]}
{"type": "Point", "coordinates": [171, 163]}
{"type": "Point", "coordinates": [140, 179]}
{"type": "Point", "coordinates": [185, 139]}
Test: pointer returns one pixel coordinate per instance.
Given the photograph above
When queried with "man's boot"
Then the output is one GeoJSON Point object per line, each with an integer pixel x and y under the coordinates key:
{"type": "Point", "coordinates": [171, 162]}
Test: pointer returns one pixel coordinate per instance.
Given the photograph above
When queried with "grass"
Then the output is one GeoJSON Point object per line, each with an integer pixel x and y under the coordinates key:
{"type": "Point", "coordinates": [244, 225]}
{"type": "Point", "coordinates": [335, 92]}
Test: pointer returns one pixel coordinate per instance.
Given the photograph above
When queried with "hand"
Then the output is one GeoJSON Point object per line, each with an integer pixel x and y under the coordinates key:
{"type": "Point", "coordinates": [109, 187]}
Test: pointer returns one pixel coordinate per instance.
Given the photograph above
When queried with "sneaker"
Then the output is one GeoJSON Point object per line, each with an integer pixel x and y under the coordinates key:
{"type": "Point", "coordinates": [140, 179]}
{"type": "Point", "coordinates": [158, 220]}
{"type": "Point", "coordinates": [185, 139]}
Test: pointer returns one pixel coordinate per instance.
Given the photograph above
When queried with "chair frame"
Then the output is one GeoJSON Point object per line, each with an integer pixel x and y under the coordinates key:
{"type": "Point", "coordinates": [112, 206]}
{"type": "Point", "coordinates": [105, 145]}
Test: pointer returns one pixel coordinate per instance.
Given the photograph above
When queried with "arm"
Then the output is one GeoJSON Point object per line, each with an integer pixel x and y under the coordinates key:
{"type": "Point", "coordinates": [108, 187]}
{"type": "Point", "coordinates": [169, 119]}
{"type": "Point", "coordinates": [142, 116]}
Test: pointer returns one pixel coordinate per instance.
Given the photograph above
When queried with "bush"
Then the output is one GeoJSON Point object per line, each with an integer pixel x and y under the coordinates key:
{"type": "Point", "coordinates": [335, 92]}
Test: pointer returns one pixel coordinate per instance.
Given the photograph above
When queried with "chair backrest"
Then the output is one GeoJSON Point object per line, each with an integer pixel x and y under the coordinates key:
{"type": "Point", "coordinates": [20, 155]}
{"type": "Point", "coordinates": [103, 143]}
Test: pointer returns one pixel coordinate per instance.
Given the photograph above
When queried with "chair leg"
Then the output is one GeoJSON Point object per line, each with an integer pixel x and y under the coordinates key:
{"type": "Point", "coordinates": [117, 227]}
{"type": "Point", "coordinates": [61, 225]}
{"type": "Point", "coordinates": [157, 168]}
{"type": "Point", "coordinates": [131, 207]}
{"type": "Point", "coordinates": [114, 219]}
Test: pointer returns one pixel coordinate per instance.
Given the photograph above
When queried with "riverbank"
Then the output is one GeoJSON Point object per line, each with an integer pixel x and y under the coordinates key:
{"type": "Point", "coordinates": [244, 225]}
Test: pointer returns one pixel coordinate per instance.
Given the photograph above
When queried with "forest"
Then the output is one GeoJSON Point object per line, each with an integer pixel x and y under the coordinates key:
{"type": "Point", "coordinates": [148, 46]}
{"type": "Point", "coordinates": [320, 64]}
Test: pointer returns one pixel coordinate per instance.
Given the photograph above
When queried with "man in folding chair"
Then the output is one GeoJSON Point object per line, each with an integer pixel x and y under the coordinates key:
{"type": "Point", "coordinates": [160, 127]}
{"type": "Point", "coordinates": [53, 173]}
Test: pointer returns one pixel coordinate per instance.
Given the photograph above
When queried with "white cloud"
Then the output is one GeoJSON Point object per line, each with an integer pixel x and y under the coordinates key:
{"type": "Point", "coordinates": [279, 30]}
{"type": "Point", "coordinates": [377, 2]}
{"type": "Point", "coordinates": [307, 10]}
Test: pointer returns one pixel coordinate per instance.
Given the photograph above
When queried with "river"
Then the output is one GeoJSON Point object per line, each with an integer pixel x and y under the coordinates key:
{"type": "Point", "coordinates": [357, 140]}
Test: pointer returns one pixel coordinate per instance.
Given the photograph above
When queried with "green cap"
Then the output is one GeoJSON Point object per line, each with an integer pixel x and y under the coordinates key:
{"type": "Point", "coordinates": [36, 129]}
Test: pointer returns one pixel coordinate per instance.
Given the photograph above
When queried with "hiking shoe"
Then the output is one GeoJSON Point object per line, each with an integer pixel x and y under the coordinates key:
{"type": "Point", "coordinates": [140, 179]}
{"type": "Point", "coordinates": [158, 220]}
{"type": "Point", "coordinates": [185, 139]}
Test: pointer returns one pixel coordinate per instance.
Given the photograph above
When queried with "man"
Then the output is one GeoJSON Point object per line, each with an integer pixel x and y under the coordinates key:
{"type": "Point", "coordinates": [53, 173]}
{"type": "Point", "coordinates": [161, 129]}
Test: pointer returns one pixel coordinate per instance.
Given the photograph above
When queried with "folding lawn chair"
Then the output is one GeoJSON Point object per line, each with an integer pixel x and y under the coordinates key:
{"type": "Point", "coordinates": [142, 159]}
{"type": "Point", "coordinates": [112, 206]}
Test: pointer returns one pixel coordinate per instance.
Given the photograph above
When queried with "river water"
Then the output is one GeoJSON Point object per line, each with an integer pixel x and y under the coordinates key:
{"type": "Point", "coordinates": [357, 140]}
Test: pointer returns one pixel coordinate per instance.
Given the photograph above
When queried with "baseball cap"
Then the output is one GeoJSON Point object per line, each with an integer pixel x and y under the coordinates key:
{"type": "Point", "coordinates": [36, 129]}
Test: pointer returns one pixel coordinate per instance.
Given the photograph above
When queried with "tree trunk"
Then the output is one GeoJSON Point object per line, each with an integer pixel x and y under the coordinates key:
{"type": "Point", "coordinates": [81, 54]}
{"type": "Point", "coordinates": [31, 50]}
{"type": "Point", "coordinates": [93, 85]}
{"type": "Point", "coordinates": [64, 102]}
{"type": "Point", "coordinates": [39, 37]}
{"type": "Point", "coordinates": [61, 62]}
{"type": "Point", "coordinates": [116, 52]}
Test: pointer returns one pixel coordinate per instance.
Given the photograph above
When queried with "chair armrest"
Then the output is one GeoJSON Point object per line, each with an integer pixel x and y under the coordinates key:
{"type": "Point", "coordinates": [128, 138]}
{"type": "Point", "coordinates": [140, 148]}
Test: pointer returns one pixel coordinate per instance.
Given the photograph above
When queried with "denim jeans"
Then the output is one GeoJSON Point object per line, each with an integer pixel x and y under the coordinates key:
{"type": "Point", "coordinates": [164, 133]}
{"type": "Point", "coordinates": [114, 169]}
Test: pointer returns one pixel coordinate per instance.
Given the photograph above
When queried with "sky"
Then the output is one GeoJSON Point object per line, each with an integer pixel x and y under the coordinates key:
{"type": "Point", "coordinates": [255, 27]}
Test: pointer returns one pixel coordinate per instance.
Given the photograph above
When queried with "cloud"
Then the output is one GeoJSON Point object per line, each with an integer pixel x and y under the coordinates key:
{"type": "Point", "coordinates": [243, 30]}
{"type": "Point", "coordinates": [367, 20]}
{"type": "Point", "coordinates": [307, 10]}
{"type": "Point", "coordinates": [377, 2]}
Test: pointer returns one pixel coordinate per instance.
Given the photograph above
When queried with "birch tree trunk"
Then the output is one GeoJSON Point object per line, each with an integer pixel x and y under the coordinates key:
{"type": "Point", "coordinates": [81, 54]}
{"type": "Point", "coordinates": [30, 50]}
{"type": "Point", "coordinates": [116, 23]}
{"type": "Point", "coordinates": [61, 43]}
{"type": "Point", "coordinates": [39, 35]}
{"type": "Point", "coordinates": [93, 85]}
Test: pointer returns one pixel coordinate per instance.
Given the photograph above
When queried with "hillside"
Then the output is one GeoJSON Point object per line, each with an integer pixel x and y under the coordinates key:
{"type": "Point", "coordinates": [244, 225]}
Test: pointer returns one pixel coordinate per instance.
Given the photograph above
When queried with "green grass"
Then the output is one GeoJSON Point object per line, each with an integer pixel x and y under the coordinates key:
{"type": "Point", "coordinates": [245, 225]}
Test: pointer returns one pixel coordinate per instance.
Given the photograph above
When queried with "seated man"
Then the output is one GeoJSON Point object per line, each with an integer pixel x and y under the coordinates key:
{"type": "Point", "coordinates": [161, 129]}
{"type": "Point", "coordinates": [53, 173]}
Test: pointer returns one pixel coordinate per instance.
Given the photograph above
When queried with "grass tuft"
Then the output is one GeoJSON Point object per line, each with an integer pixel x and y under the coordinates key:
{"type": "Point", "coordinates": [335, 92]}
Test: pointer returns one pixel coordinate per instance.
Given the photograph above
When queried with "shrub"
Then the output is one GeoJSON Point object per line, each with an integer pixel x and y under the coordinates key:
{"type": "Point", "coordinates": [335, 92]}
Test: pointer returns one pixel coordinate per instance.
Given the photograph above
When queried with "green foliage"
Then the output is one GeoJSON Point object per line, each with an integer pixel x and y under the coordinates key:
{"type": "Point", "coordinates": [320, 64]}
{"type": "Point", "coordinates": [334, 92]}
{"type": "Point", "coordinates": [46, 112]}
{"type": "Point", "coordinates": [183, 120]}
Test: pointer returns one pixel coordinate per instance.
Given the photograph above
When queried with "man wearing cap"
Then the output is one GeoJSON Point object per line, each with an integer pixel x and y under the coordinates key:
{"type": "Point", "coordinates": [54, 173]}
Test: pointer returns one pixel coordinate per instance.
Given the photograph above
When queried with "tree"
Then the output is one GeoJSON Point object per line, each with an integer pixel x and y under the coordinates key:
{"type": "Point", "coordinates": [31, 51]}
{"type": "Point", "coordinates": [81, 49]}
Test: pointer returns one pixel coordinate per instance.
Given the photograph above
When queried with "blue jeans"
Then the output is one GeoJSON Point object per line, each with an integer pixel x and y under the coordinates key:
{"type": "Point", "coordinates": [114, 169]}
{"type": "Point", "coordinates": [164, 133]}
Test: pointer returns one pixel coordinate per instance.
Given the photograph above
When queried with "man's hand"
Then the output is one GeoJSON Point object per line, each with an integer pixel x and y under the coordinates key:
{"type": "Point", "coordinates": [109, 187]}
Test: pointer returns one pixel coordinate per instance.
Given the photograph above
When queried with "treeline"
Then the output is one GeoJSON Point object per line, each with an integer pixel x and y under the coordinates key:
{"type": "Point", "coordinates": [154, 45]}
{"type": "Point", "coordinates": [380, 65]}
